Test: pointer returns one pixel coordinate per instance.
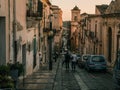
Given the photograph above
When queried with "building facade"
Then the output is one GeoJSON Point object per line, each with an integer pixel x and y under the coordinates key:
{"type": "Point", "coordinates": [24, 31]}
{"type": "Point", "coordinates": [101, 31]}
{"type": "Point", "coordinates": [75, 19]}
{"type": "Point", "coordinates": [57, 27]}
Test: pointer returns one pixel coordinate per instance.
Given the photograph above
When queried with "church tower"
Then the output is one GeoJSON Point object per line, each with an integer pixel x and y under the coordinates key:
{"type": "Point", "coordinates": [75, 14]}
{"type": "Point", "coordinates": [75, 19]}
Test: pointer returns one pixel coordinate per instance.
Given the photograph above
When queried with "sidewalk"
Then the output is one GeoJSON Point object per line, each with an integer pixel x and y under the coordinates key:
{"type": "Point", "coordinates": [43, 79]}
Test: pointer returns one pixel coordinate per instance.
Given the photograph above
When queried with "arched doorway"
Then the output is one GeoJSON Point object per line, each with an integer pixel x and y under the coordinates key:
{"type": "Point", "coordinates": [109, 49]}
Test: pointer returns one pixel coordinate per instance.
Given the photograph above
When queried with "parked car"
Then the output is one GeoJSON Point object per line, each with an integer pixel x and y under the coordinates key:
{"type": "Point", "coordinates": [78, 56]}
{"type": "Point", "coordinates": [96, 62]}
{"type": "Point", "coordinates": [82, 60]}
{"type": "Point", "coordinates": [116, 71]}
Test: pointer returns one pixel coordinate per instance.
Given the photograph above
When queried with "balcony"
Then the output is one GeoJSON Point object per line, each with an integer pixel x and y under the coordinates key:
{"type": "Point", "coordinates": [34, 9]}
{"type": "Point", "coordinates": [33, 14]}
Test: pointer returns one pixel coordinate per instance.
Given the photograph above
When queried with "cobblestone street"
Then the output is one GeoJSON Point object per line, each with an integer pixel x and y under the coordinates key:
{"type": "Point", "coordinates": [68, 81]}
{"type": "Point", "coordinates": [58, 79]}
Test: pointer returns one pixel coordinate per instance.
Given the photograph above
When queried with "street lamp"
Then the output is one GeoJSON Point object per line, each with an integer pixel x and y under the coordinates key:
{"type": "Point", "coordinates": [50, 36]}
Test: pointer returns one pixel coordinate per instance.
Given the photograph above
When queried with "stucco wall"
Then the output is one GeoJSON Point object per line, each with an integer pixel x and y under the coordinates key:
{"type": "Point", "coordinates": [3, 6]}
{"type": "Point", "coordinates": [29, 54]}
{"type": "Point", "coordinates": [113, 24]}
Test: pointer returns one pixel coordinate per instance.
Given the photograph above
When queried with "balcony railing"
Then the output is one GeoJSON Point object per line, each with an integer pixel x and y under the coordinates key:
{"type": "Point", "coordinates": [33, 14]}
{"type": "Point", "coordinates": [35, 9]}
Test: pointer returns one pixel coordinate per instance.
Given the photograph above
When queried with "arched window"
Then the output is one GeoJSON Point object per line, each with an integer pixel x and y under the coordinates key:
{"type": "Point", "coordinates": [75, 18]}
{"type": "Point", "coordinates": [109, 43]}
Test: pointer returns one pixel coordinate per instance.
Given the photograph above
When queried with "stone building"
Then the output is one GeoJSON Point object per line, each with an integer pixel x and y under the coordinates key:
{"type": "Point", "coordinates": [24, 31]}
{"type": "Point", "coordinates": [14, 28]}
{"type": "Point", "coordinates": [101, 31]}
{"type": "Point", "coordinates": [75, 19]}
{"type": "Point", "coordinates": [33, 29]}
{"type": "Point", "coordinates": [57, 27]}
{"type": "Point", "coordinates": [111, 27]}
{"type": "Point", "coordinates": [45, 27]}
{"type": "Point", "coordinates": [13, 32]}
{"type": "Point", "coordinates": [83, 34]}
{"type": "Point", "coordinates": [94, 28]}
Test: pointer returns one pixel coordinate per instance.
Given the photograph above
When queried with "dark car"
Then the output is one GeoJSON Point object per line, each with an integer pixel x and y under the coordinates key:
{"type": "Point", "coordinates": [82, 60]}
{"type": "Point", "coordinates": [78, 56]}
{"type": "Point", "coordinates": [116, 71]}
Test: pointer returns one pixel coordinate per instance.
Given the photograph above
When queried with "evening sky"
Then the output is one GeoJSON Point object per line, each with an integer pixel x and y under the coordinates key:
{"type": "Point", "coordinates": [87, 6]}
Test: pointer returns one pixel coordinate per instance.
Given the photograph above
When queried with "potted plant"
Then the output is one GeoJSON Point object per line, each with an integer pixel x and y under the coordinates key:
{"type": "Point", "coordinates": [18, 67]}
{"type": "Point", "coordinates": [5, 80]}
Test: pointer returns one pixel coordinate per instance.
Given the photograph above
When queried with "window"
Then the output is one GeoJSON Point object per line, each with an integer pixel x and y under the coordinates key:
{"type": "Point", "coordinates": [98, 59]}
{"type": "Point", "coordinates": [75, 18]}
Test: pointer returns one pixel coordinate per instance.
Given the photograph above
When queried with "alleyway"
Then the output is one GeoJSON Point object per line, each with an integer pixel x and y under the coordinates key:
{"type": "Point", "coordinates": [57, 79]}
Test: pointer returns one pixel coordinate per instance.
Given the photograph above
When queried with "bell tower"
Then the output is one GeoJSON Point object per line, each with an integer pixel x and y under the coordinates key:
{"type": "Point", "coordinates": [75, 19]}
{"type": "Point", "coordinates": [75, 14]}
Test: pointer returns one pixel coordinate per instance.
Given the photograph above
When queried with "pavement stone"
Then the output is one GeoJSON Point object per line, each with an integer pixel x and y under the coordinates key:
{"type": "Point", "coordinates": [57, 79]}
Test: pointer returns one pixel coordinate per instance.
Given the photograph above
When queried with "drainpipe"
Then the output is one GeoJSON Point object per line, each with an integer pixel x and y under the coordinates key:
{"type": "Point", "coordinates": [9, 30]}
{"type": "Point", "coordinates": [14, 33]}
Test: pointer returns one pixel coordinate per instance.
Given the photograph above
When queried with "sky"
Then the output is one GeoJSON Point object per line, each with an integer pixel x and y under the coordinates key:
{"type": "Point", "coordinates": [87, 6]}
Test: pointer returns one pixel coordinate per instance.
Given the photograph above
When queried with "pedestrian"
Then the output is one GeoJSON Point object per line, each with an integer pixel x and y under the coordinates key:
{"type": "Point", "coordinates": [56, 56]}
{"type": "Point", "coordinates": [73, 61]}
{"type": "Point", "coordinates": [67, 60]}
{"type": "Point", "coordinates": [40, 58]}
{"type": "Point", "coordinates": [63, 59]}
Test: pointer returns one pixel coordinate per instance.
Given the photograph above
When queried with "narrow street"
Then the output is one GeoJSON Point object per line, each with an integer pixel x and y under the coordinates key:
{"type": "Point", "coordinates": [87, 81]}
{"type": "Point", "coordinates": [39, 32]}
{"type": "Point", "coordinates": [97, 80]}
{"type": "Point", "coordinates": [61, 79]}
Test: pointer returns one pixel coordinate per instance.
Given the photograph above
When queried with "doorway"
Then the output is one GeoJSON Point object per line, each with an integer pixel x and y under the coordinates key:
{"type": "Point", "coordinates": [2, 41]}
{"type": "Point", "coordinates": [109, 44]}
{"type": "Point", "coordinates": [24, 57]}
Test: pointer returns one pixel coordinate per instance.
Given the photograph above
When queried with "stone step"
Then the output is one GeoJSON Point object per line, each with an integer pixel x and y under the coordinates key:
{"type": "Point", "coordinates": [35, 86]}
{"type": "Point", "coordinates": [37, 81]}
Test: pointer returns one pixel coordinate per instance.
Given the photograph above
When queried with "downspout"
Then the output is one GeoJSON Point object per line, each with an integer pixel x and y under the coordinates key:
{"type": "Point", "coordinates": [14, 33]}
{"type": "Point", "coordinates": [44, 36]}
{"type": "Point", "coordinates": [9, 29]}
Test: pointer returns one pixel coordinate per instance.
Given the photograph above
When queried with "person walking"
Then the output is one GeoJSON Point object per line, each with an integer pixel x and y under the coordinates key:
{"type": "Point", "coordinates": [67, 60]}
{"type": "Point", "coordinates": [73, 61]}
{"type": "Point", "coordinates": [56, 56]}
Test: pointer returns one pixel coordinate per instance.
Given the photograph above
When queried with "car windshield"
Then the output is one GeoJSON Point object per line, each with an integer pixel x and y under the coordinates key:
{"type": "Point", "coordinates": [98, 59]}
